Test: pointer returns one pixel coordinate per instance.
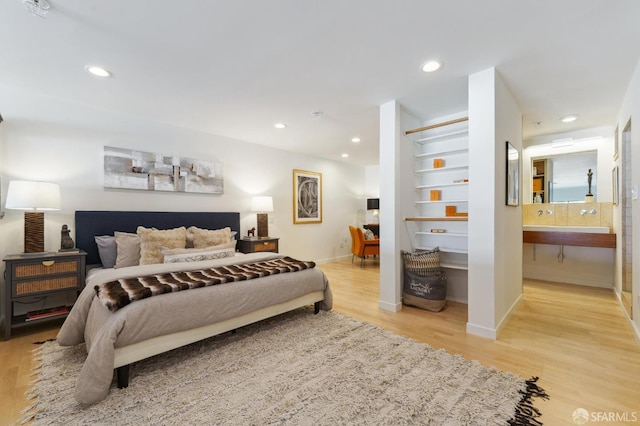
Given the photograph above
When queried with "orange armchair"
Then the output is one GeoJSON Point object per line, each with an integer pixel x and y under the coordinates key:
{"type": "Point", "coordinates": [362, 247]}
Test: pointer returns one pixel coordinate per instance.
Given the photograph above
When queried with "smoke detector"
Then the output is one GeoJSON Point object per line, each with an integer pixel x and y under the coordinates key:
{"type": "Point", "coordinates": [316, 114]}
{"type": "Point", "coordinates": [37, 7]}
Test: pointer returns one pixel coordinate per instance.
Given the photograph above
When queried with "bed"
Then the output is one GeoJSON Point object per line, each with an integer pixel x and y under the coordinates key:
{"type": "Point", "coordinates": [147, 327]}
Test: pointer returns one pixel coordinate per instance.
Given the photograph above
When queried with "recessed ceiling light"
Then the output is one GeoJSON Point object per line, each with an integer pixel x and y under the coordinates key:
{"type": "Point", "coordinates": [97, 71]}
{"type": "Point", "coordinates": [356, 140]}
{"type": "Point", "coordinates": [431, 66]}
{"type": "Point", "coordinates": [569, 118]}
{"type": "Point", "coordinates": [280, 125]}
{"type": "Point", "coordinates": [345, 155]}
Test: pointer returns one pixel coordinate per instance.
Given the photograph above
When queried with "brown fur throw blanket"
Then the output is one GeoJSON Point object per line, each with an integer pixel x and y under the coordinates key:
{"type": "Point", "coordinates": [117, 294]}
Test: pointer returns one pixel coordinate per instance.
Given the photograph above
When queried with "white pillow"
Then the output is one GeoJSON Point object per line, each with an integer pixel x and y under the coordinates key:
{"type": "Point", "coordinates": [196, 254]}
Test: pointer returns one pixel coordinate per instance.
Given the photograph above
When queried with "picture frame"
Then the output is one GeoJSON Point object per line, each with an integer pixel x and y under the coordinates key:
{"type": "Point", "coordinates": [512, 175]}
{"type": "Point", "coordinates": [615, 183]}
{"type": "Point", "coordinates": [616, 144]}
{"type": "Point", "coordinates": [150, 171]}
{"type": "Point", "coordinates": [307, 197]}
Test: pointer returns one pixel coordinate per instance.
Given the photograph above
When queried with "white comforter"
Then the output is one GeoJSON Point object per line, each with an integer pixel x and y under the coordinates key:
{"type": "Point", "coordinates": [92, 323]}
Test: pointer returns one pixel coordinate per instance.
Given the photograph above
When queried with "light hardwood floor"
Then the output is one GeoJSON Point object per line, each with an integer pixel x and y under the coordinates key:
{"type": "Point", "coordinates": [576, 339]}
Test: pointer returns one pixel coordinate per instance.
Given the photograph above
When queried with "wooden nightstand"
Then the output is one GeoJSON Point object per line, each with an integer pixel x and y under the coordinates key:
{"type": "Point", "coordinates": [27, 276]}
{"type": "Point", "coordinates": [258, 244]}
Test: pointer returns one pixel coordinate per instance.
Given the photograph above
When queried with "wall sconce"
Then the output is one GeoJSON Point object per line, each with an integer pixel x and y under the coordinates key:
{"type": "Point", "coordinates": [374, 204]}
{"type": "Point", "coordinates": [262, 205]}
{"type": "Point", "coordinates": [35, 198]}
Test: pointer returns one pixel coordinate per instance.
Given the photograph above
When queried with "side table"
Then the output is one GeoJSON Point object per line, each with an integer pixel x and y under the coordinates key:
{"type": "Point", "coordinates": [257, 244]}
{"type": "Point", "coordinates": [27, 276]}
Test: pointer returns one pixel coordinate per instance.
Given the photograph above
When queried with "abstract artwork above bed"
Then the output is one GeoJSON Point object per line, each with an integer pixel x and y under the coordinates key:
{"type": "Point", "coordinates": [131, 169]}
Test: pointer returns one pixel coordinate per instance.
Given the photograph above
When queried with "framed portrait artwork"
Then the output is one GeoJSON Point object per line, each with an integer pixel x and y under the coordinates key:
{"type": "Point", "coordinates": [307, 197]}
{"type": "Point", "coordinates": [512, 175]}
{"type": "Point", "coordinates": [615, 181]}
{"type": "Point", "coordinates": [616, 144]}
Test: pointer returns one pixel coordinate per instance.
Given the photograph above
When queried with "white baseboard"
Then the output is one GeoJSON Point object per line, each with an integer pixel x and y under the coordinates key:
{"type": "Point", "coordinates": [506, 316]}
{"type": "Point", "coordinates": [491, 333]}
{"type": "Point", "coordinates": [332, 259]}
{"type": "Point", "coordinates": [636, 331]}
{"type": "Point", "coordinates": [481, 331]}
{"type": "Point", "coordinates": [391, 307]}
{"type": "Point", "coordinates": [458, 299]}
{"type": "Point", "coordinates": [567, 279]}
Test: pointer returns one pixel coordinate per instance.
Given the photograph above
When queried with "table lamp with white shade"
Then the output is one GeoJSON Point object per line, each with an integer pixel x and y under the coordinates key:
{"type": "Point", "coordinates": [35, 198]}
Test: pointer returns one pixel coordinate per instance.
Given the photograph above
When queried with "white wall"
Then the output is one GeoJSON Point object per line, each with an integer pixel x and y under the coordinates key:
{"type": "Point", "coordinates": [61, 147]}
{"type": "Point", "coordinates": [631, 109]}
{"type": "Point", "coordinates": [508, 219]}
{"type": "Point", "coordinates": [396, 161]}
{"type": "Point", "coordinates": [495, 230]}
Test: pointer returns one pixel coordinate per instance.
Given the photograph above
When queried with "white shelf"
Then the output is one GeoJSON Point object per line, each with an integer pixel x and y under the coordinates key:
{"type": "Point", "coordinates": [441, 185]}
{"type": "Point", "coordinates": [442, 201]}
{"type": "Point", "coordinates": [444, 250]}
{"type": "Point", "coordinates": [442, 234]}
{"type": "Point", "coordinates": [440, 137]}
{"type": "Point", "coordinates": [442, 169]}
{"type": "Point", "coordinates": [448, 265]}
{"type": "Point", "coordinates": [442, 153]}
{"type": "Point", "coordinates": [437, 219]}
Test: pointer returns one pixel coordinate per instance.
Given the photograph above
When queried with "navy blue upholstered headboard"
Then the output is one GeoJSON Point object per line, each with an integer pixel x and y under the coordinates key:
{"type": "Point", "coordinates": [90, 224]}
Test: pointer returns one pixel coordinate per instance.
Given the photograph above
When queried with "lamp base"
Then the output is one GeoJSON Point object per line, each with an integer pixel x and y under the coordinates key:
{"type": "Point", "coordinates": [263, 224]}
{"type": "Point", "coordinates": [33, 232]}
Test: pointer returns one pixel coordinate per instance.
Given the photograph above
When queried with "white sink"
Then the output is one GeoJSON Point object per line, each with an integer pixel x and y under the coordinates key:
{"type": "Point", "coordinates": [553, 228]}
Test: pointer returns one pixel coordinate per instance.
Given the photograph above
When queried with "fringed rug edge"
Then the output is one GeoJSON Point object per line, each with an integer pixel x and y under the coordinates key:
{"type": "Point", "coordinates": [526, 413]}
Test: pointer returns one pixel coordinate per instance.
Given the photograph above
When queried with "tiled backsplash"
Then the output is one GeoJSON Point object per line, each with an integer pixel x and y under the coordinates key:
{"type": "Point", "coordinates": [568, 214]}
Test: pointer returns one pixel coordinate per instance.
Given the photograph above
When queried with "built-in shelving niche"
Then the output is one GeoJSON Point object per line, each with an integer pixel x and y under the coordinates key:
{"type": "Point", "coordinates": [448, 144]}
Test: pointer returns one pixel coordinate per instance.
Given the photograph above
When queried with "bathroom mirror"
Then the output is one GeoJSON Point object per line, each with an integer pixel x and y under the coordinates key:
{"type": "Point", "coordinates": [512, 175]}
{"type": "Point", "coordinates": [564, 177]}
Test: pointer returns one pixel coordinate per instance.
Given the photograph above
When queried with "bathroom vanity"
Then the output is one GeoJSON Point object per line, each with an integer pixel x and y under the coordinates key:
{"type": "Point", "coordinates": [569, 243]}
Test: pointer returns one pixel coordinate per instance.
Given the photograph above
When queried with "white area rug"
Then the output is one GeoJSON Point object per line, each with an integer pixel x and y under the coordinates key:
{"type": "Point", "coordinates": [296, 369]}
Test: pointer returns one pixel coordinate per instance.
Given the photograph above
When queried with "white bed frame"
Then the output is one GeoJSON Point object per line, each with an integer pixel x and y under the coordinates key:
{"type": "Point", "coordinates": [126, 355]}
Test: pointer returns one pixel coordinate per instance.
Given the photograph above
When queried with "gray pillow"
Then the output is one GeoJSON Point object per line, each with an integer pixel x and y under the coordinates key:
{"type": "Point", "coordinates": [107, 249]}
{"type": "Point", "coordinates": [128, 249]}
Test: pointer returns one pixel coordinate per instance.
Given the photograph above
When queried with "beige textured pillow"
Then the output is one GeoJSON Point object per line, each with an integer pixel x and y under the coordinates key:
{"type": "Point", "coordinates": [128, 249]}
{"type": "Point", "coordinates": [206, 238]}
{"type": "Point", "coordinates": [152, 240]}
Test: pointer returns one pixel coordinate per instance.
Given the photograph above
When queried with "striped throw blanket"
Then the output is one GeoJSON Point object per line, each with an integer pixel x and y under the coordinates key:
{"type": "Point", "coordinates": [117, 294]}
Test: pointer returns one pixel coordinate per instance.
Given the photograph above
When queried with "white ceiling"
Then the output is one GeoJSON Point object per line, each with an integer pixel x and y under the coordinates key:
{"type": "Point", "coordinates": [236, 67]}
